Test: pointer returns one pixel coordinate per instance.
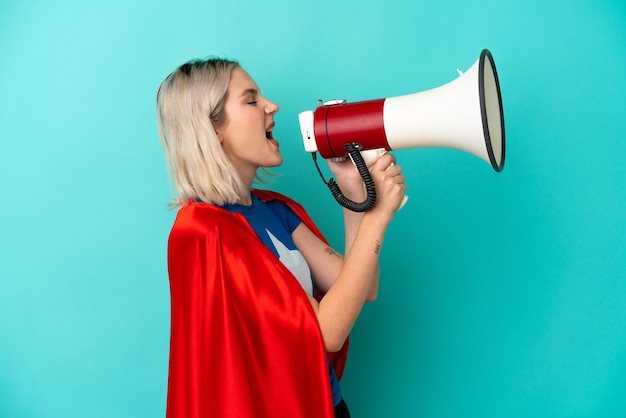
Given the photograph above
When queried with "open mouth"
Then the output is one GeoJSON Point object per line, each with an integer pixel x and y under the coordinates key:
{"type": "Point", "coordinates": [269, 135]}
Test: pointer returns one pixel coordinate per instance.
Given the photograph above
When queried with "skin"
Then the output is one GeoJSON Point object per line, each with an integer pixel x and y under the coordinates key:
{"type": "Point", "coordinates": [249, 116]}
{"type": "Point", "coordinates": [348, 282]}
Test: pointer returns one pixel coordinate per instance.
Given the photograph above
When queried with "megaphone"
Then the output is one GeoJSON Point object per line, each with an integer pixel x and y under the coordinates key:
{"type": "Point", "coordinates": [464, 114]}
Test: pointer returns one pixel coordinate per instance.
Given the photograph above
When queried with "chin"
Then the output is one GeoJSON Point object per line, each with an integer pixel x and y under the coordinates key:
{"type": "Point", "coordinates": [274, 162]}
{"type": "Point", "coordinates": [278, 160]}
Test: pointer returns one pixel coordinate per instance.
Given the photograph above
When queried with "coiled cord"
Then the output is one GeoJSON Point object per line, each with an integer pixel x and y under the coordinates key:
{"type": "Point", "coordinates": [370, 187]}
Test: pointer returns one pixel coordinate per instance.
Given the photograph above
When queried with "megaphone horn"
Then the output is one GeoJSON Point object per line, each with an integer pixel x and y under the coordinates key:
{"type": "Point", "coordinates": [464, 114]}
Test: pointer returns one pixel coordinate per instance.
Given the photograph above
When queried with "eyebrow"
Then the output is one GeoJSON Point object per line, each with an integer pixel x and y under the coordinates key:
{"type": "Point", "coordinates": [253, 92]}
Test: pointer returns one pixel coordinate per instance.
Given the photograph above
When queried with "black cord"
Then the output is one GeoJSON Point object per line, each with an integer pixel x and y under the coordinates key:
{"type": "Point", "coordinates": [370, 187]}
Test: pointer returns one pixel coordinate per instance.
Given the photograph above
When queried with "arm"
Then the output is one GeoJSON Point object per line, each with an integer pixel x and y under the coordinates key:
{"type": "Point", "coordinates": [357, 275]}
{"type": "Point", "coordinates": [324, 261]}
{"type": "Point", "coordinates": [352, 187]}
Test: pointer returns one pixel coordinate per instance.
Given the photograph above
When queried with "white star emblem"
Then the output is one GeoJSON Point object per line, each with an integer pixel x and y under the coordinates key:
{"type": "Point", "coordinates": [295, 262]}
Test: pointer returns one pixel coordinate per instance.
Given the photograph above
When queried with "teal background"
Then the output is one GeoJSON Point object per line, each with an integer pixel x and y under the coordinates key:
{"type": "Point", "coordinates": [503, 295]}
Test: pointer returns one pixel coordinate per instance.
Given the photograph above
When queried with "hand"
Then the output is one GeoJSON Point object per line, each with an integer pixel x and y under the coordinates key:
{"type": "Point", "coordinates": [348, 178]}
{"type": "Point", "coordinates": [343, 169]}
{"type": "Point", "coordinates": [390, 186]}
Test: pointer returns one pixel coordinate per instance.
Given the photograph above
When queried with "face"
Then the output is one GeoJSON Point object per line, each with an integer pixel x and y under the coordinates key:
{"type": "Point", "coordinates": [247, 137]}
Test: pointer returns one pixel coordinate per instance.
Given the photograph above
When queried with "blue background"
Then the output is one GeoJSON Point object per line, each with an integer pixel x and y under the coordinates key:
{"type": "Point", "coordinates": [503, 295]}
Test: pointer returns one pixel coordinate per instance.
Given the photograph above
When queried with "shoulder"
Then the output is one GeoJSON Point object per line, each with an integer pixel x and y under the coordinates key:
{"type": "Point", "coordinates": [296, 207]}
{"type": "Point", "coordinates": [197, 220]}
{"type": "Point", "coordinates": [269, 196]}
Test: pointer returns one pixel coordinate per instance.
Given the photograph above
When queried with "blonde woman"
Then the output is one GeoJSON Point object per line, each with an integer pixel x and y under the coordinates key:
{"type": "Point", "coordinates": [261, 305]}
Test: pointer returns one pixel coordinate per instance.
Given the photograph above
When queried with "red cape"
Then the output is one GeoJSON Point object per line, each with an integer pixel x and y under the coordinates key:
{"type": "Point", "coordinates": [245, 341]}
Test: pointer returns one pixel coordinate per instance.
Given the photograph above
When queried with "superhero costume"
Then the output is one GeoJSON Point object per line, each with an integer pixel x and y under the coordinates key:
{"type": "Point", "coordinates": [245, 341]}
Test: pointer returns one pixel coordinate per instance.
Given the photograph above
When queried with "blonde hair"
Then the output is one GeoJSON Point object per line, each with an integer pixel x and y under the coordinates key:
{"type": "Point", "coordinates": [190, 106]}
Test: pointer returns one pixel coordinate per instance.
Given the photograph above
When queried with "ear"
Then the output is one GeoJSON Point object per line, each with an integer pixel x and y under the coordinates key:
{"type": "Point", "coordinates": [219, 136]}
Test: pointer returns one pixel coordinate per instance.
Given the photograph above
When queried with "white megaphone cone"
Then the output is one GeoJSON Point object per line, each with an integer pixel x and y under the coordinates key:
{"type": "Point", "coordinates": [464, 114]}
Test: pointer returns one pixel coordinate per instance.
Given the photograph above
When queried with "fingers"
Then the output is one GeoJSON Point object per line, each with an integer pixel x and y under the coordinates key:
{"type": "Point", "coordinates": [390, 181]}
{"type": "Point", "coordinates": [384, 162]}
{"type": "Point", "coordinates": [393, 171]}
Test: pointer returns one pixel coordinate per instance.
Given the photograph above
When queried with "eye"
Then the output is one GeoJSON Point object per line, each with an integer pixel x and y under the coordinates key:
{"type": "Point", "coordinates": [253, 102]}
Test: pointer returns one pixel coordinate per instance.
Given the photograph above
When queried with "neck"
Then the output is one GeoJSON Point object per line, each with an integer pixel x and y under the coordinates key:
{"type": "Point", "coordinates": [245, 201]}
{"type": "Point", "coordinates": [247, 177]}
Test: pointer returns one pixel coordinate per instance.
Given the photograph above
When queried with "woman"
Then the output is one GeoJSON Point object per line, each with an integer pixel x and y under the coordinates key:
{"type": "Point", "coordinates": [261, 305]}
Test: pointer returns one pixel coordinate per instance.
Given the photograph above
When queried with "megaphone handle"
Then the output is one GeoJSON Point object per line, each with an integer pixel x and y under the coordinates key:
{"type": "Point", "coordinates": [370, 157]}
{"type": "Point", "coordinates": [370, 187]}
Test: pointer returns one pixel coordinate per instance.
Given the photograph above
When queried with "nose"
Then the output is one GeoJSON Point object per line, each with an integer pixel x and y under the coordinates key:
{"type": "Point", "coordinates": [271, 107]}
